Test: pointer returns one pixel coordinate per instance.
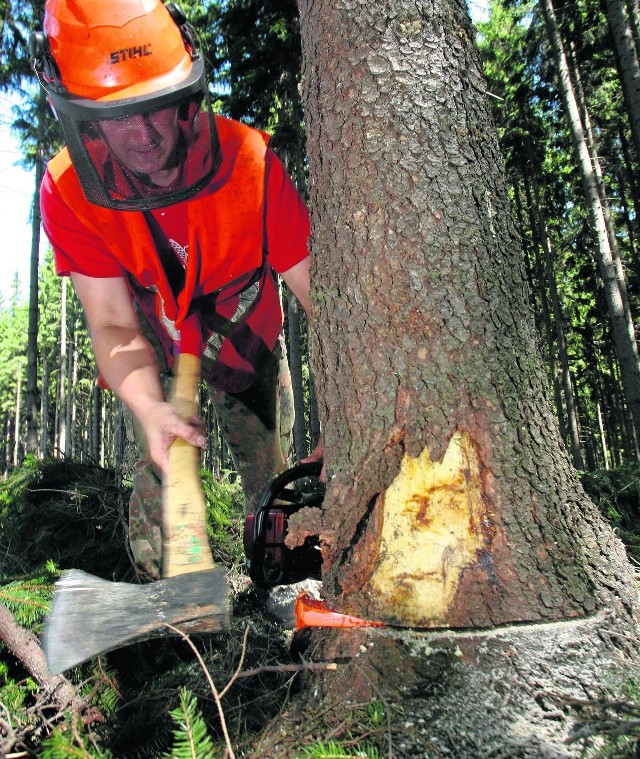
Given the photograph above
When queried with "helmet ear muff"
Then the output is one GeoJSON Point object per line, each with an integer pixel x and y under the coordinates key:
{"type": "Point", "coordinates": [43, 63]}
{"type": "Point", "coordinates": [189, 36]}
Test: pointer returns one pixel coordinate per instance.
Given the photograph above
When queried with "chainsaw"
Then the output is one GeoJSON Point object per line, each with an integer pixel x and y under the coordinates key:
{"type": "Point", "coordinates": [268, 560]}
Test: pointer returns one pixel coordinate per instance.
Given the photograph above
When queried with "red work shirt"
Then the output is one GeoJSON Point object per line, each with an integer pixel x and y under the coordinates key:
{"type": "Point", "coordinates": [286, 231]}
{"type": "Point", "coordinates": [77, 250]}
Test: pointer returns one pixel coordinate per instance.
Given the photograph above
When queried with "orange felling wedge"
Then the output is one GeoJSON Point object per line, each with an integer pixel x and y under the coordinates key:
{"type": "Point", "coordinates": [311, 612]}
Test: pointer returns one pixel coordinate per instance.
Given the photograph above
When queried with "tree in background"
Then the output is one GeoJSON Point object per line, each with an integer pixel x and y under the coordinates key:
{"type": "Point", "coordinates": [255, 54]}
{"type": "Point", "coordinates": [13, 326]}
{"type": "Point", "coordinates": [256, 57]}
{"type": "Point", "coordinates": [555, 219]}
{"type": "Point", "coordinates": [452, 502]}
{"type": "Point", "coordinates": [39, 139]}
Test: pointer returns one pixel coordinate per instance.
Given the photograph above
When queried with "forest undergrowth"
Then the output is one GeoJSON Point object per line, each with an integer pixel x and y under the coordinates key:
{"type": "Point", "coordinates": [216, 696]}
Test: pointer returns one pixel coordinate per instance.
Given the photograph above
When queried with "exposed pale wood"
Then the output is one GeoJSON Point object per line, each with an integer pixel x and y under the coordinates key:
{"type": "Point", "coordinates": [185, 544]}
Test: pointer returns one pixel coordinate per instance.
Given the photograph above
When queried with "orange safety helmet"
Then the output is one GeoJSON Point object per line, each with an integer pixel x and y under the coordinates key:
{"type": "Point", "coordinates": [126, 79]}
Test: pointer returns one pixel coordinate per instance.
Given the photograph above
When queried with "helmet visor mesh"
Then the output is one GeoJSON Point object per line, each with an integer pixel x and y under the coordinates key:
{"type": "Point", "coordinates": [145, 153]}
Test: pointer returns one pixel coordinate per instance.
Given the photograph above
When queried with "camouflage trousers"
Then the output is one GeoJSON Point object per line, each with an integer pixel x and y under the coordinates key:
{"type": "Point", "coordinates": [256, 425]}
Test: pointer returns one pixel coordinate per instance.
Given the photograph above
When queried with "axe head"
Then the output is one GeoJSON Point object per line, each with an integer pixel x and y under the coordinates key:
{"type": "Point", "coordinates": [90, 616]}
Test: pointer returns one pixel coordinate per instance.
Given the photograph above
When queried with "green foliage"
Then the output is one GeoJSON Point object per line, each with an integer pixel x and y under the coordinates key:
{"type": "Point", "coordinates": [70, 741]}
{"type": "Point", "coordinates": [13, 328]}
{"type": "Point", "coordinates": [333, 750]}
{"type": "Point", "coordinates": [371, 720]}
{"type": "Point", "coordinates": [376, 713]}
{"type": "Point", "coordinates": [14, 694]}
{"type": "Point", "coordinates": [71, 738]}
{"type": "Point", "coordinates": [65, 512]}
{"type": "Point", "coordinates": [99, 685]}
{"type": "Point", "coordinates": [256, 59]}
{"type": "Point", "coordinates": [191, 739]}
{"type": "Point", "coordinates": [541, 168]}
{"type": "Point", "coordinates": [28, 598]}
{"type": "Point", "coordinates": [616, 492]}
{"type": "Point", "coordinates": [225, 515]}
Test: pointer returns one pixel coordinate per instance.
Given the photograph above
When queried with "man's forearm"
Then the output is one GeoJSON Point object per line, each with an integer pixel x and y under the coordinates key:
{"type": "Point", "coordinates": [128, 364]}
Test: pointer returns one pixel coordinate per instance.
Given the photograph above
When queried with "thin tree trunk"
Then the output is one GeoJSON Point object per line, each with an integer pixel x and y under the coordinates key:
{"type": "Point", "coordinates": [32, 336]}
{"type": "Point", "coordinates": [18, 418]}
{"type": "Point", "coordinates": [44, 408]}
{"type": "Point", "coordinates": [96, 422]}
{"type": "Point", "coordinates": [628, 65]}
{"type": "Point", "coordinates": [592, 147]}
{"type": "Point", "coordinates": [70, 410]}
{"type": "Point", "coordinates": [603, 438]}
{"type": "Point", "coordinates": [6, 458]}
{"type": "Point", "coordinates": [63, 374]}
{"type": "Point", "coordinates": [103, 428]}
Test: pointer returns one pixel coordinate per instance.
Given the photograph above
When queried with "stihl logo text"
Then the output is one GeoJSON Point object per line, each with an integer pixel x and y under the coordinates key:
{"type": "Point", "coordinates": [131, 52]}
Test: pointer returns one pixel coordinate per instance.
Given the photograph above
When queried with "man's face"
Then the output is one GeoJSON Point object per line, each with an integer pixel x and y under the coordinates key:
{"type": "Point", "coordinates": [146, 143]}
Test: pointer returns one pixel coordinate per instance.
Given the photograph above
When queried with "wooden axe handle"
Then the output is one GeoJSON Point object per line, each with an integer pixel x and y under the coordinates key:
{"type": "Point", "coordinates": [185, 543]}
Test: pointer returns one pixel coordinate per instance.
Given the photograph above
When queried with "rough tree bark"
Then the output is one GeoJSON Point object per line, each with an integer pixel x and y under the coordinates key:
{"type": "Point", "coordinates": [453, 513]}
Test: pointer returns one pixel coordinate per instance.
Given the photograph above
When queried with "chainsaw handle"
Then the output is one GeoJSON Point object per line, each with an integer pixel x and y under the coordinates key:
{"type": "Point", "coordinates": [263, 572]}
{"type": "Point", "coordinates": [309, 469]}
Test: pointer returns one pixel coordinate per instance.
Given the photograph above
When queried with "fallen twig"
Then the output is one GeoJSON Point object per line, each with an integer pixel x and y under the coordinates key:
{"type": "Point", "coordinates": [309, 666]}
{"type": "Point", "coordinates": [243, 653]}
{"type": "Point", "coordinates": [214, 690]}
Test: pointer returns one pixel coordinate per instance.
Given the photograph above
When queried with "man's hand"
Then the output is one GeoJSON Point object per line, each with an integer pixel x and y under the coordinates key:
{"type": "Point", "coordinates": [162, 425]}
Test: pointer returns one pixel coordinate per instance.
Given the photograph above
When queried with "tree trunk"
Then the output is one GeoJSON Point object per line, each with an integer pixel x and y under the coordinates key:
{"type": "Point", "coordinates": [628, 65]}
{"type": "Point", "coordinates": [18, 416]}
{"type": "Point", "coordinates": [6, 445]}
{"type": "Point", "coordinates": [610, 269]}
{"type": "Point", "coordinates": [44, 408]}
{"type": "Point", "coordinates": [451, 500]}
{"type": "Point", "coordinates": [96, 423]}
{"type": "Point", "coordinates": [63, 399]}
{"type": "Point", "coordinates": [32, 338]}
{"type": "Point", "coordinates": [72, 373]}
{"type": "Point", "coordinates": [567, 385]}
{"type": "Point", "coordinates": [603, 438]}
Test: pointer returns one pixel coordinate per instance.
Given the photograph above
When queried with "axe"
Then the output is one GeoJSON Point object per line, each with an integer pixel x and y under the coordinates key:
{"type": "Point", "coordinates": [90, 616]}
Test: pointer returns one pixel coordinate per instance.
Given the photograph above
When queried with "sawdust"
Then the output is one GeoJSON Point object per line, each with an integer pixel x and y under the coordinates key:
{"type": "Point", "coordinates": [510, 693]}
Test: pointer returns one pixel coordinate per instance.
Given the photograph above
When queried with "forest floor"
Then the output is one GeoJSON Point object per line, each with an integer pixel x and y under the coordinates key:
{"type": "Point", "coordinates": [257, 689]}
